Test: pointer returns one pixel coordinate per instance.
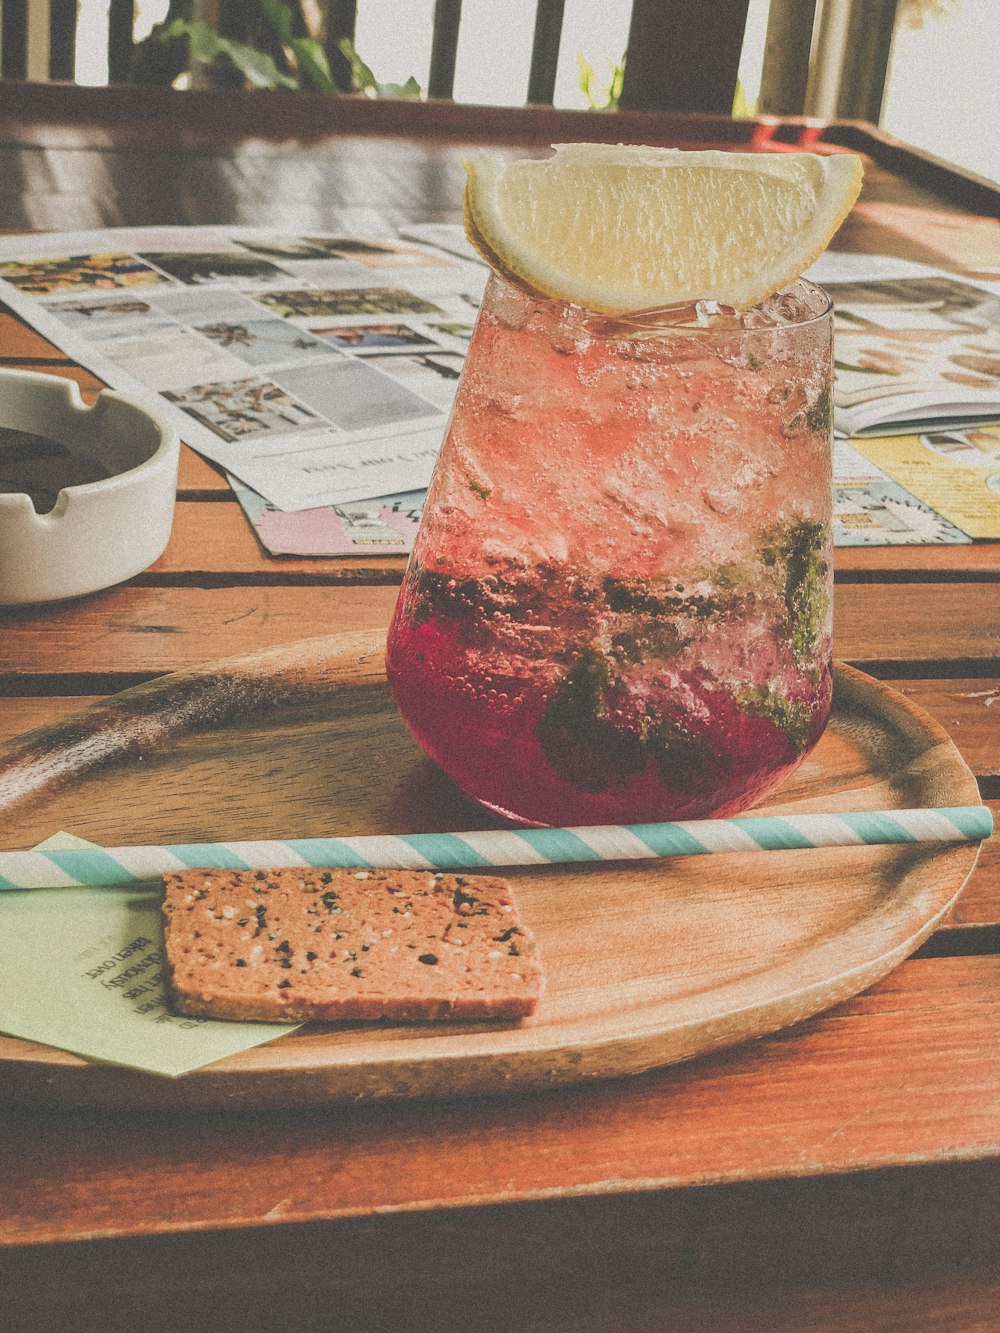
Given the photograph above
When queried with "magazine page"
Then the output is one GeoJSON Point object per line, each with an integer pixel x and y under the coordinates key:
{"type": "Point", "coordinates": [957, 472]}
{"type": "Point", "coordinates": [871, 509]}
{"type": "Point", "coordinates": [318, 369]}
{"type": "Point", "coordinates": [912, 345]}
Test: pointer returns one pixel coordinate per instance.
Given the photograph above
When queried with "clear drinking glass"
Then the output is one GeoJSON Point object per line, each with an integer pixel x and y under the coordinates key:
{"type": "Point", "coordinates": [618, 606]}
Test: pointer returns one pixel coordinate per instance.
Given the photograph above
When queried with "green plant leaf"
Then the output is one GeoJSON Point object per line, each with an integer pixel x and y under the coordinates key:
{"type": "Point", "coordinates": [306, 55]}
{"type": "Point", "coordinates": [257, 67]}
{"type": "Point", "coordinates": [364, 80]}
{"type": "Point", "coordinates": [205, 47]}
{"type": "Point", "coordinates": [170, 32]}
{"type": "Point", "coordinates": [600, 98]}
{"type": "Point", "coordinates": [311, 69]}
{"type": "Point", "coordinates": [410, 89]}
{"type": "Point", "coordinates": [279, 15]}
{"type": "Point", "coordinates": [742, 109]}
{"type": "Point", "coordinates": [585, 77]}
{"type": "Point", "coordinates": [617, 81]}
{"type": "Point", "coordinates": [311, 62]}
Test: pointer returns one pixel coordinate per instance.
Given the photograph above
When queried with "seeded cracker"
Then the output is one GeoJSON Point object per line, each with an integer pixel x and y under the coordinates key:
{"type": "Point", "coordinates": [293, 945]}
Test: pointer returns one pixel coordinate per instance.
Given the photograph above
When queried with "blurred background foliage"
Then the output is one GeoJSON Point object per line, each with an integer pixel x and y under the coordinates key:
{"type": "Point", "coordinates": [280, 45]}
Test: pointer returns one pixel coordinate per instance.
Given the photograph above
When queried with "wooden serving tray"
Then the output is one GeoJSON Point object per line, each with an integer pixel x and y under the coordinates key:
{"type": "Point", "coordinates": [648, 963]}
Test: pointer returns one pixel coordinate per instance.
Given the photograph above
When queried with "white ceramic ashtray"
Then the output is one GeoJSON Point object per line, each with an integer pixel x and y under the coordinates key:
{"type": "Point", "coordinates": [86, 493]}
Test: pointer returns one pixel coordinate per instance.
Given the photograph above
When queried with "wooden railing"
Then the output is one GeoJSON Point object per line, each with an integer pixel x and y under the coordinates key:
{"type": "Point", "coordinates": [681, 55]}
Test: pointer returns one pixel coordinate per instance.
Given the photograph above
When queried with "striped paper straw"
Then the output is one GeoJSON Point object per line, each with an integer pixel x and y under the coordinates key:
{"type": "Point", "coordinates": [494, 848]}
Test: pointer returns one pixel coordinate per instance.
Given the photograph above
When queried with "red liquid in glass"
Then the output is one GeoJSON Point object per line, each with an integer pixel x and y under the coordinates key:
{"type": "Point", "coordinates": [618, 606]}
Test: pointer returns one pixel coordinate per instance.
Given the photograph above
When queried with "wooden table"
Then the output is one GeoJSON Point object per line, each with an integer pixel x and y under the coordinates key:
{"type": "Point", "coordinates": [841, 1175]}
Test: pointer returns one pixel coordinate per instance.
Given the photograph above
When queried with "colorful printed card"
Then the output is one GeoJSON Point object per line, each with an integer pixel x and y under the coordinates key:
{"type": "Point", "coordinates": [955, 472]}
{"type": "Point", "coordinates": [384, 526]}
{"type": "Point", "coordinates": [870, 509]}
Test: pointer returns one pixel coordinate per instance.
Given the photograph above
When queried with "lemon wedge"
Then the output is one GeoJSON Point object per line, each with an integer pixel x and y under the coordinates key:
{"type": "Point", "coordinates": [622, 228]}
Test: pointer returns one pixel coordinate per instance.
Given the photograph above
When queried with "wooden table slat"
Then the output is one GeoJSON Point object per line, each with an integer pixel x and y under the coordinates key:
{"type": "Point", "coordinates": [883, 627]}
{"type": "Point", "coordinates": [197, 478]}
{"type": "Point", "coordinates": [20, 342]}
{"type": "Point", "coordinates": [832, 1094]}
{"type": "Point", "coordinates": [894, 626]}
{"type": "Point", "coordinates": [874, 563]}
{"type": "Point", "coordinates": [631, 1268]}
{"type": "Point", "coordinates": [148, 631]}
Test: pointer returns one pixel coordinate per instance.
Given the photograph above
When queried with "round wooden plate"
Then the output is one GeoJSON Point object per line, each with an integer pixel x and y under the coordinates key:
{"type": "Point", "coordinates": [647, 963]}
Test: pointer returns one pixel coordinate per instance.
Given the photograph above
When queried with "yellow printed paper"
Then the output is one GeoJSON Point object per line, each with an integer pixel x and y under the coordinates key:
{"type": "Point", "coordinates": [956, 472]}
{"type": "Point", "coordinates": [83, 970]}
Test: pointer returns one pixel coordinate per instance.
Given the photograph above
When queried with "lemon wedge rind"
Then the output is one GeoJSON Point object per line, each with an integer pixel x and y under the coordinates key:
{"type": "Point", "coordinates": [623, 228]}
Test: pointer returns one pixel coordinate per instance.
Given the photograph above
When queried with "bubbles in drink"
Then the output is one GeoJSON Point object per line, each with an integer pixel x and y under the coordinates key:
{"type": "Point", "coordinates": [618, 607]}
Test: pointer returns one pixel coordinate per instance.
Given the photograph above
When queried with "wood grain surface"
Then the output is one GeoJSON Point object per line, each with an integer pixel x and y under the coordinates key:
{"type": "Point", "coordinates": [647, 963]}
{"type": "Point", "coordinates": [846, 1252]}
{"type": "Point", "coordinates": [136, 630]}
{"type": "Point", "coordinates": [834, 1096]}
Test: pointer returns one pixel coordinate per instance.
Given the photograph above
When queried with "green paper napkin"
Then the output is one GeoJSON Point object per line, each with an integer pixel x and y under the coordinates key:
{"type": "Point", "coordinates": [82, 969]}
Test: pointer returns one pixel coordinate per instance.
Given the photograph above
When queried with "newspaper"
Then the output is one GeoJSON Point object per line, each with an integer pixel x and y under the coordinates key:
{"type": "Point", "coordinates": [317, 369]}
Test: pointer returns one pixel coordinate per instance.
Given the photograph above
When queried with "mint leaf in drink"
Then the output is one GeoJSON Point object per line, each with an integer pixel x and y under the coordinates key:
{"type": "Point", "coordinates": [658, 640]}
{"type": "Point", "coordinates": [683, 761]}
{"type": "Point", "coordinates": [576, 735]}
{"type": "Point", "coordinates": [798, 552]}
{"type": "Point", "coordinates": [588, 750]}
{"type": "Point", "coordinates": [790, 717]}
{"type": "Point", "coordinates": [639, 597]}
{"type": "Point", "coordinates": [442, 596]}
{"type": "Point", "coordinates": [820, 415]}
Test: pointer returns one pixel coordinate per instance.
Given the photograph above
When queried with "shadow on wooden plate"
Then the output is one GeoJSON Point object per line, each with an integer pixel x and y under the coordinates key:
{"type": "Point", "coordinates": [648, 963]}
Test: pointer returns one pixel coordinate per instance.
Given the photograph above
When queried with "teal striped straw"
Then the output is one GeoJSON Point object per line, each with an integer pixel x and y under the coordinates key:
{"type": "Point", "coordinates": [499, 848]}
